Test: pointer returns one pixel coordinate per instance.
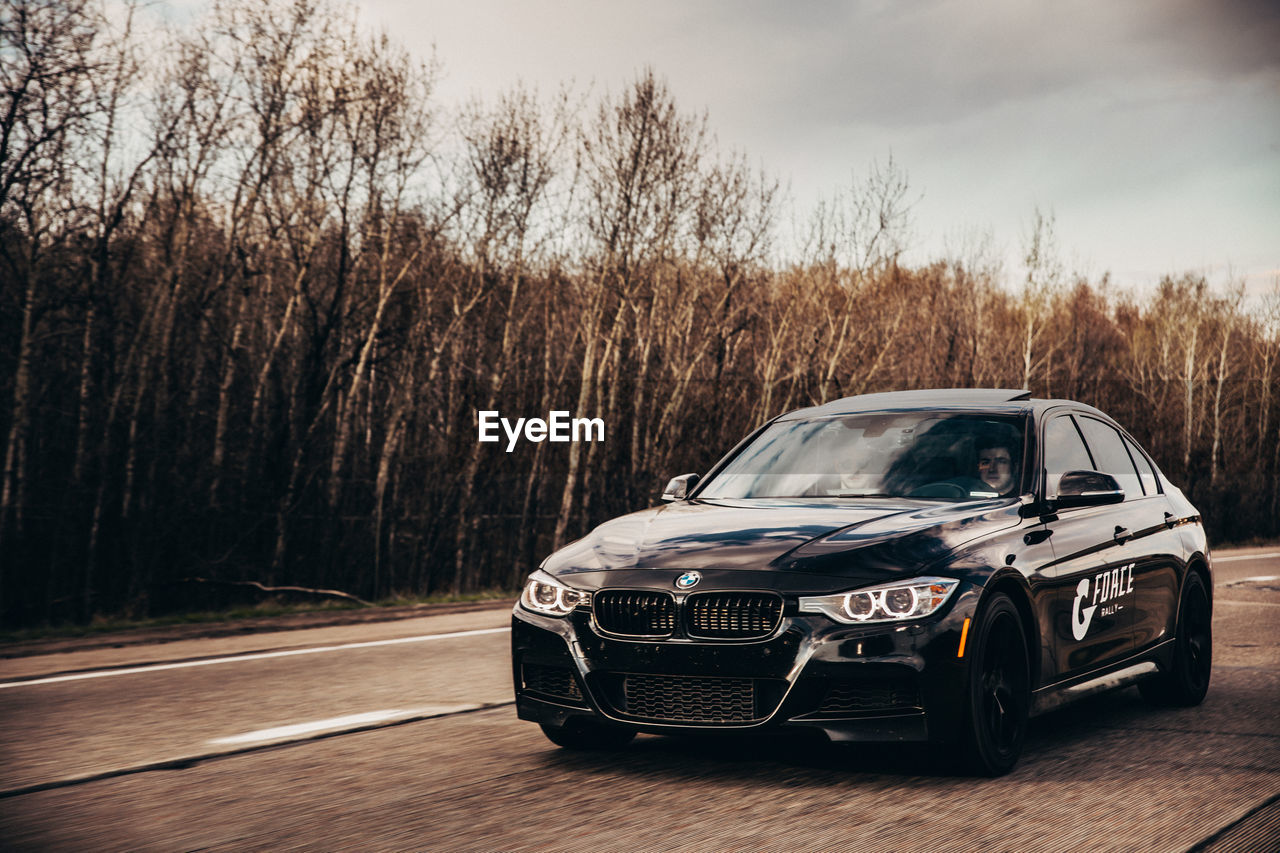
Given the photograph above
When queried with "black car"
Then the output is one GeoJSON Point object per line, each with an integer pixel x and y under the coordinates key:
{"type": "Point", "coordinates": [910, 566]}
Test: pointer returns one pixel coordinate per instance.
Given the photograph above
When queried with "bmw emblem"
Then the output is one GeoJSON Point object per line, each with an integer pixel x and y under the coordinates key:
{"type": "Point", "coordinates": [688, 580]}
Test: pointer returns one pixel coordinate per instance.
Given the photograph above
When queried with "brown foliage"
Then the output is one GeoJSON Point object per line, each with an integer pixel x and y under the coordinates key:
{"type": "Point", "coordinates": [251, 344]}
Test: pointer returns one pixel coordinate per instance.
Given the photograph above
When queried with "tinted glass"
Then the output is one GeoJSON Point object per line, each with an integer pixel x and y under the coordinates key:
{"type": "Point", "coordinates": [933, 455]}
{"type": "Point", "coordinates": [1110, 455]}
{"type": "Point", "coordinates": [1145, 471]}
{"type": "Point", "coordinates": [1064, 451]}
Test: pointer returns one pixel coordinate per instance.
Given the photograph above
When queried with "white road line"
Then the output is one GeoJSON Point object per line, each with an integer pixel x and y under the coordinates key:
{"type": "Point", "coordinates": [1266, 556]}
{"type": "Point", "coordinates": [427, 712]}
{"type": "Point", "coordinates": [312, 727]}
{"type": "Point", "coordinates": [106, 673]}
{"type": "Point", "coordinates": [356, 721]}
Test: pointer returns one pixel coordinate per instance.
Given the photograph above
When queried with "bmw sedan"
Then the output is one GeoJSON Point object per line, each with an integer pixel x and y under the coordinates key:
{"type": "Point", "coordinates": [911, 566]}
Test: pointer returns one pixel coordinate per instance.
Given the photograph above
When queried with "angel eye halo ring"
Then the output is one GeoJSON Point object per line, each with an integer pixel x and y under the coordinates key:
{"type": "Point", "coordinates": [891, 602]}
{"type": "Point", "coordinates": [548, 596]}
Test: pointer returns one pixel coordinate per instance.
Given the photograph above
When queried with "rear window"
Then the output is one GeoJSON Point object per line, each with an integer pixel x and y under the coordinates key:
{"type": "Point", "coordinates": [1146, 473]}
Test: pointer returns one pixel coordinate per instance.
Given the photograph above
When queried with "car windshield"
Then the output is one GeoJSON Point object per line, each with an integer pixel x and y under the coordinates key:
{"type": "Point", "coordinates": [934, 455]}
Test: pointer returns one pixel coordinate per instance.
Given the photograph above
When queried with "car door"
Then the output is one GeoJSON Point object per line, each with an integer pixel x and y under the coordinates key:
{"type": "Point", "coordinates": [1142, 563]}
{"type": "Point", "coordinates": [1087, 634]}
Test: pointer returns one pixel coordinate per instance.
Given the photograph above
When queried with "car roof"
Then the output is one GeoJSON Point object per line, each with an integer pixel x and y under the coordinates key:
{"type": "Point", "coordinates": [966, 398]}
{"type": "Point", "coordinates": [1002, 400]}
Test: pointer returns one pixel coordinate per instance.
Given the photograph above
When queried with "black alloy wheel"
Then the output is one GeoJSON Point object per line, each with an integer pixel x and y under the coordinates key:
{"type": "Point", "coordinates": [1188, 681]}
{"type": "Point", "coordinates": [587, 734]}
{"type": "Point", "coordinates": [999, 696]}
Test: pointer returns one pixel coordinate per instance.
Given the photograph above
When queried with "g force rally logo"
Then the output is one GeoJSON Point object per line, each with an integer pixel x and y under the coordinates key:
{"type": "Point", "coordinates": [1107, 586]}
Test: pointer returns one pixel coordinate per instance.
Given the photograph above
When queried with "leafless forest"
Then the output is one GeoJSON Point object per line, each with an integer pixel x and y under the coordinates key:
{"type": "Point", "coordinates": [255, 284]}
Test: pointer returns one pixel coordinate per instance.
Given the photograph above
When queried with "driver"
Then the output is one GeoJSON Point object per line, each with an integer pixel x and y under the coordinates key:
{"type": "Point", "coordinates": [995, 464]}
{"type": "Point", "coordinates": [849, 465]}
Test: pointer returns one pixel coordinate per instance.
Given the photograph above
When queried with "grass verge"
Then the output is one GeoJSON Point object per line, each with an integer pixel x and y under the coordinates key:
{"type": "Point", "coordinates": [263, 610]}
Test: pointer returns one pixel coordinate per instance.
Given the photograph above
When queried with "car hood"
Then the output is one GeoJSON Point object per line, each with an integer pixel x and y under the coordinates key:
{"type": "Point", "coordinates": [864, 540]}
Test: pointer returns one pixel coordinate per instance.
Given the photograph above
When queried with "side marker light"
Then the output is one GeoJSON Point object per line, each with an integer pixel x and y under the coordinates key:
{"type": "Point", "coordinates": [964, 635]}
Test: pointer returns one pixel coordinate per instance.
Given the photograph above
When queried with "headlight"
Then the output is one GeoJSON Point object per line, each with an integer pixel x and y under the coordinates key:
{"type": "Point", "coordinates": [544, 594]}
{"type": "Point", "coordinates": [886, 603]}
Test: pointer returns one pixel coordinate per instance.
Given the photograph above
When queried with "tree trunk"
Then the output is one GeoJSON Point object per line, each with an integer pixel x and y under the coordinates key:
{"type": "Point", "coordinates": [224, 399]}
{"type": "Point", "coordinates": [84, 398]}
{"type": "Point", "coordinates": [13, 491]}
{"type": "Point", "coordinates": [1027, 340]}
{"type": "Point", "coordinates": [586, 390]}
{"type": "Point", "coordinates": [346, 411]}
{"type": "Point", "coordinates": [497, 376]}
{"type": "Point", "coordinates": [639, 401]}
{"type": "Point", "coordinates": [1188, 400]}
{"type": "Point", "coordinates": [388, 456]}
{"type": "Point", "coordinates": [12, 494]}
{"type": "Point", "coordinates": [1217, 407]}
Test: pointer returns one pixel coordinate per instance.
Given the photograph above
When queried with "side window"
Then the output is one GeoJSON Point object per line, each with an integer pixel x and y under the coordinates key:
{"type": "Point", "coordinates": [1064, 451]}
{"type": "Point", "coordinates": [1109, 453]}
{"type": "Point", "coordinates": [1145, 471]}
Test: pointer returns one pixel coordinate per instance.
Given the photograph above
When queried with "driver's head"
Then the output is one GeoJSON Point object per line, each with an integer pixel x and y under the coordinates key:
{"type": "Point", "coordinates": [848, 465]}
{"type": "Point", "coordinates": [995, 464]}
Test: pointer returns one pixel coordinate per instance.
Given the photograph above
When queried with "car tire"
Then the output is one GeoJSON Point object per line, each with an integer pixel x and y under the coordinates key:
{"type": "Point", "coordinates": [585, 734]}
{"type": "Point", "coordinates": [998, 690]}
{"type": "Point", "coordinates": [1187, 682]}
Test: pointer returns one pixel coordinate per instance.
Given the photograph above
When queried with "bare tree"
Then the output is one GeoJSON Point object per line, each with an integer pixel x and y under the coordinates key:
{"type": "Point", "coordinates": [641, 156]}
{"type": "Point", "coordinates": [254, 286]}
{"type": "Point", "coordinates": [512, 157]}
{"type": "Point", "coordinates": [47, 63]}
{"type": "Point", "coordinates": [1043, 281]}
{"type": "Point", "coordinates": [387, 125]}
{"type": "Point", "coordinates": [853, 239]}
{"type": "Point", "coordinates": [1226, 313]}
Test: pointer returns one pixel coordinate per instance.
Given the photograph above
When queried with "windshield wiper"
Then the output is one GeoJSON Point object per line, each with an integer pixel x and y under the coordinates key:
{"type": "Point", "coordinates": [865, 495]}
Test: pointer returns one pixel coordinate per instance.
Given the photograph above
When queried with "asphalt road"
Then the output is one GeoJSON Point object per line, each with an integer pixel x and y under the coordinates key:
{"type": "Point", "coordinates": [400, 736]}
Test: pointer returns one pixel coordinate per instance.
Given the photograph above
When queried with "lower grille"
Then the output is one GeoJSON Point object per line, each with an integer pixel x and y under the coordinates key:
{"type": "Point", "coordinates": [689, 700]}
{"type": "Point", "coordinates": [634, 613]}
{"type": "Point", "coordinates": [733, 615]}
{"type": "Point", "coordinates": [858, 697]}
{"type": "Point", "coordinates": [551, 681]}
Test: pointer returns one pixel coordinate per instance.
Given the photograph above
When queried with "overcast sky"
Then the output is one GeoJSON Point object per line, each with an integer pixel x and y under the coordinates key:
{"type": "Point", "coordinates": [1150, 128]}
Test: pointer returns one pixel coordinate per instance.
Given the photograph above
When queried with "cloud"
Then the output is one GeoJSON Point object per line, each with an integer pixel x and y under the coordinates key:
{"type": "Point", "coordinates": [932, 62]}
{"type": "Point", "coordinates": [1152, 126]}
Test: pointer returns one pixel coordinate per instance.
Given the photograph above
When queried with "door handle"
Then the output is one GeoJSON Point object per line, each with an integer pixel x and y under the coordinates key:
{"type": "Point", "coordinates": [1122, 534]}
{"type": "Point", "coordinates": [1170, 520]}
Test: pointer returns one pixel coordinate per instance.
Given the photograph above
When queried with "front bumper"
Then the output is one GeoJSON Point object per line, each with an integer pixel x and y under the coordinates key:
{"type": "Point", "coordinates": [881, 682]}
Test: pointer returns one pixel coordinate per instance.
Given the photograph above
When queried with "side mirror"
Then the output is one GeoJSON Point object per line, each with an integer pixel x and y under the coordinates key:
{"type": "Point", "coordinates": [680, 487]}
{"type": "Point", "coordinates": [1087, 488]}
